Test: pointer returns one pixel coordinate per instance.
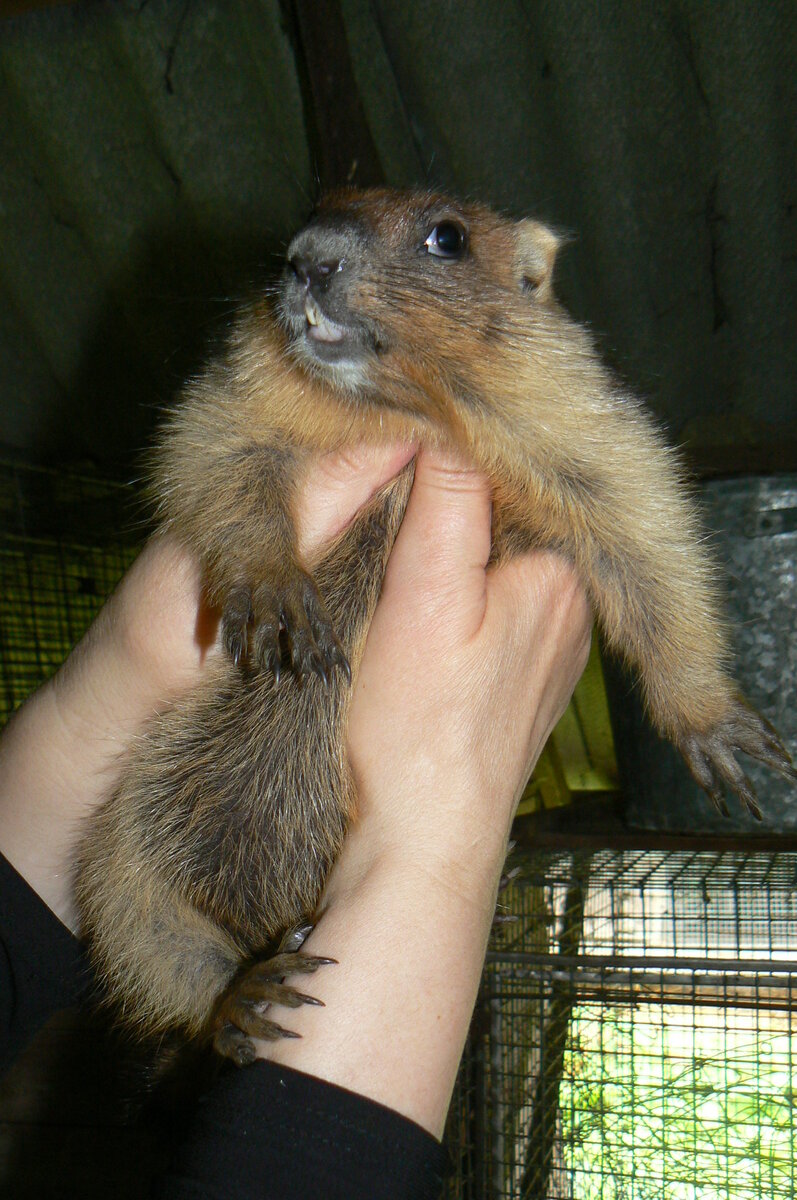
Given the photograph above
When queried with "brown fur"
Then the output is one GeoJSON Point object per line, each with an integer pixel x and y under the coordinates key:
{"type": "Point", "coordinates": [236, 800]}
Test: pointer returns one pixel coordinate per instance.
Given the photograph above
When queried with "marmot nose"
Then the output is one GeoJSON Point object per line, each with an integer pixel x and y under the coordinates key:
{"type": "Point", "coordinates": [313, 274]}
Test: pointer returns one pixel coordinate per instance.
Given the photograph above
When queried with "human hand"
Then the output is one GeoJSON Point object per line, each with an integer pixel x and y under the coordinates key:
{"type": "Point", "coordinates": [63, 751]}
{"type": "Point", "coordinates": [466, 670]}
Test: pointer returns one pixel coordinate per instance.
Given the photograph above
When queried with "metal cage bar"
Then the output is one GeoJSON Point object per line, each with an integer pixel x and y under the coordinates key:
{"type": "Point", "coordinates": [636, 1026]}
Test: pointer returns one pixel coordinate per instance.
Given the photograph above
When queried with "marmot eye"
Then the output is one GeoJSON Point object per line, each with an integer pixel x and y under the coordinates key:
{"type": "Point", "coordinates": [447, 240]}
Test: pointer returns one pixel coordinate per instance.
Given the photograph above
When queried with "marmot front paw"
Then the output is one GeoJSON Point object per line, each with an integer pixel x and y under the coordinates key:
{"type": "Point", "coordinates": [254, 621]}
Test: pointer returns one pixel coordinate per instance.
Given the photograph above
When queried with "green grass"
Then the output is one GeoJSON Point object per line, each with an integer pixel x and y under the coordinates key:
{"type": "Point", "coordinates": [676, 1103]}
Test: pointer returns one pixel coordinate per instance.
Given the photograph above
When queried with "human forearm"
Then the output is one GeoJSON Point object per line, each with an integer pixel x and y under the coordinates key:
{"type": "Point", "coordinates": [62, 751]}
{"type": "Point", "coordinates": [409, 935]}
{"type": "Point", "coordinates": [409, 905]}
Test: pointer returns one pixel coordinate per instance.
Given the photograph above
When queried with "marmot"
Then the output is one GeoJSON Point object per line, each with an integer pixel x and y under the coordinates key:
{"type": "Point", "coordinates": [402, 316]}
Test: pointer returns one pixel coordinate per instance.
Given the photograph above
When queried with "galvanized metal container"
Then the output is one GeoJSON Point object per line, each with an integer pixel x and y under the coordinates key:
{"type": "Point", "coordinates": [753, 523]}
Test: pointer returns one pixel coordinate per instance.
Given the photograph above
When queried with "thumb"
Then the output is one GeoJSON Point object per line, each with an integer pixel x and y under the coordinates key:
{"type": "Point", "coordinates": [444, 540]}
{"type": "Point", "coordinates": [450, 509]}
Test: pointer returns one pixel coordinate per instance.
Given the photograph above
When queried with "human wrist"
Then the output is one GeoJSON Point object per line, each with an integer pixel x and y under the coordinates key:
{"type": "Point", "coordinates": [408, 934]}
{"type": "Point", "coordinates": [450, 842]}
{"type": "Point", "coordinates": [447, 794]}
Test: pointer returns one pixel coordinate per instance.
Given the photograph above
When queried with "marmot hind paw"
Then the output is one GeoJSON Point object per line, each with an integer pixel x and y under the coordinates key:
{"type": "Point", "coordinates": [240, 1015]}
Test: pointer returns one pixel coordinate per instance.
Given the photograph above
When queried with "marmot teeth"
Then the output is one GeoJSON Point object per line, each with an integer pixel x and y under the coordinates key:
{"type": "Point", "coordinates": [321, 328]}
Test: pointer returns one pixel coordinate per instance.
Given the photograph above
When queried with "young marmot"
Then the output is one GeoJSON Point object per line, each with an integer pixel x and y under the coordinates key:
{"type": "Point", "coordinates": [399, 316]}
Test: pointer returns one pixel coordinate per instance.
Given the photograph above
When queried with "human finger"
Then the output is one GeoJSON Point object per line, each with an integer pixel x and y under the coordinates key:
{"type": "Point", "coordinates": [437, 566]}
{"type": "Point", "coordinates": [335, 486]}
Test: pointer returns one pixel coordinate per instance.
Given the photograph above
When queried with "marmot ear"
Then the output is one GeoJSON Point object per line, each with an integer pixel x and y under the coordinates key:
{"type": "Point", "coordinates": [535, 253]}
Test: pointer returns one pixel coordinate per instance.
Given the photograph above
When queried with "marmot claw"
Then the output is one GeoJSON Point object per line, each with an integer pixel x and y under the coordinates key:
{"type": "Point", "coordinates": [711, 756]}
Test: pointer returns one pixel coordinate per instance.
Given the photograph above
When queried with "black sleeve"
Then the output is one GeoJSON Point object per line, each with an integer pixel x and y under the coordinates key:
{"type": "Point", "coordinates": [269, 1133]}
{"type": "Point", "coordinates": [261, 1133]}
{"type": "Point", "coordinates": [42, 968]}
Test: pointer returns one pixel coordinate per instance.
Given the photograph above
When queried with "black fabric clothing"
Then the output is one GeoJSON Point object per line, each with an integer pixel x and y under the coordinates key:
{"type": "Point", "coordinates": [261, 1133]}
{"type": "Point", "coordinates": [42, 967]}
{"type": "Point", "coordinates": [282, 1134]}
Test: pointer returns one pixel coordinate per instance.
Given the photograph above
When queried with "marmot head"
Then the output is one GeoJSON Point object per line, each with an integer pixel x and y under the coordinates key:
{"type": "Point", "coordinates": [384, 291]}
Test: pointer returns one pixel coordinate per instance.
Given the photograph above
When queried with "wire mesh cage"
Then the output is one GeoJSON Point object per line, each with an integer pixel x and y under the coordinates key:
{"type": "Point", "coordinates": [65, 539]}
{"type": "Point", "coordinates": [634, 1036]}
